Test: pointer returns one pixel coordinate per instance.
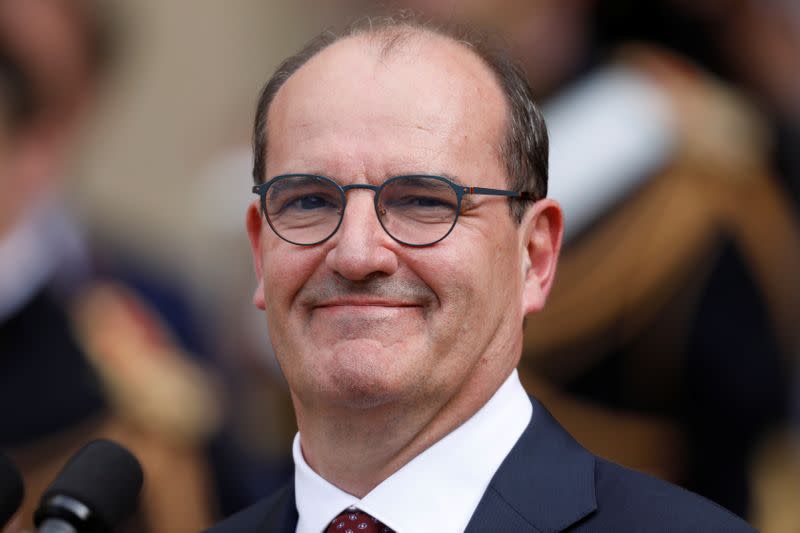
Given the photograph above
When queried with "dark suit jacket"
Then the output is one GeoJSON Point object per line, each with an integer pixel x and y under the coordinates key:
{"type": "Point", "coordinates": [548, 483]}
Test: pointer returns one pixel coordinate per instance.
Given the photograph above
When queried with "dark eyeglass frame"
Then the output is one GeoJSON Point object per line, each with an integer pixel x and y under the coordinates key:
{"type": "Point", "coordinates": [460, 190]}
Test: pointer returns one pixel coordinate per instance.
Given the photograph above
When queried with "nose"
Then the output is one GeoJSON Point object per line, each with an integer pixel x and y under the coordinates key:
{"type": "Point", "coordinates": [361, 248]}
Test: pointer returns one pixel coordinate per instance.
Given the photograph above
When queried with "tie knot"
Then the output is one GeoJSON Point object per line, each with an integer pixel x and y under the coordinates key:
{"type": "Point", "coordinates": [355, 521]}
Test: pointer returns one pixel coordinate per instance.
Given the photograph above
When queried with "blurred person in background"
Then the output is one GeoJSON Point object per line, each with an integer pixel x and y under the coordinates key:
{"type": "Point", "coordinates": [82, 356]}
{"type": "Point", "coordinates": [750, 43]}
{"type": "Point", "coordinates": [687, 246]}
{"type": "Point", "coordinates": [752, 295]}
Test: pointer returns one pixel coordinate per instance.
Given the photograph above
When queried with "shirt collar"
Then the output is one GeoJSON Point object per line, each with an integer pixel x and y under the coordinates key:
{"type": "Point", "coordinates": [439, 489]}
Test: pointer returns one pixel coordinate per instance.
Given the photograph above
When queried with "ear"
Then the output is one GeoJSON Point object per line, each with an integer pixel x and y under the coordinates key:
{"type": "Point", "coordinates": [255, 225]}
{"type": "Point", "coordinates": [542, 230]}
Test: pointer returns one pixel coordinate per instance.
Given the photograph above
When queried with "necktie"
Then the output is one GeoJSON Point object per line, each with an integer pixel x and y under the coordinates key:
{"type": "Point", "coordinates": [355, 521]}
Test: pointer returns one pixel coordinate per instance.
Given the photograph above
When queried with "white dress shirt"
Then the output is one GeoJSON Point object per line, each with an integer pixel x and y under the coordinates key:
{"type": "Point", "coordinates": [439, 489]}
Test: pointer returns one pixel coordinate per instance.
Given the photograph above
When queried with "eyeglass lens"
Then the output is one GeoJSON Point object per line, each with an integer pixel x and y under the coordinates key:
{"type": "Point", "coordinates": [416, 210]}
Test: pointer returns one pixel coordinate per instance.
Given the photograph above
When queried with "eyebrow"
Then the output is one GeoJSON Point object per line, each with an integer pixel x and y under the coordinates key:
{"type": "Point", "coordinates": [278, 186]}
{"type": "Point", "coordinates": [451, 177]}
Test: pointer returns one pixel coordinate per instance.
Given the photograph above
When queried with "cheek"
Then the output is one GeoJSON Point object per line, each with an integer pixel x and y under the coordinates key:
{"type": "Point", "coordinates": [459, 280]}
{"type": "Point", "coordinates": [285, 271]}
{"type": "Point", "coordinates": [505, 271]}
{"type": "Point", "coordinates": [478, 285]}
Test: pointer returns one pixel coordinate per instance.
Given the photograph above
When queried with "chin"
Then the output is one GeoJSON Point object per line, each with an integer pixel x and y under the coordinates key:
{"type": "Point", "coordinates": [360, 398]}
{"type": "Point", "coordinates": [353, 373]}
{"type": "Point", "coordinates": [364, 375]}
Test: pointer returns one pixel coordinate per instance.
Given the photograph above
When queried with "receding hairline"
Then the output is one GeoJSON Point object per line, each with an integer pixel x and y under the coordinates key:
{"type": "Point", "coordinates": [395, 39]}
{"type": "Point", "coordinates": [395, 42]}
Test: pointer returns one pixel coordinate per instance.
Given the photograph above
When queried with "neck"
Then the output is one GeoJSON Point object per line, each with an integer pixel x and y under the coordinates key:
{"type": "Point", "coordinates": [356, 450]}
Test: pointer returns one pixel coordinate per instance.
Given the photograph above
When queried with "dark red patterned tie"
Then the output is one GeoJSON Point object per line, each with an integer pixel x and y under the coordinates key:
{"type": "Point", "coordinates": [355, 521]}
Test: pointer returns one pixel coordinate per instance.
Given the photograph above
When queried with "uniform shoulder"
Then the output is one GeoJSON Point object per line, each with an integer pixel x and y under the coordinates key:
{"type": "Point", "coordinates": [657, 505]}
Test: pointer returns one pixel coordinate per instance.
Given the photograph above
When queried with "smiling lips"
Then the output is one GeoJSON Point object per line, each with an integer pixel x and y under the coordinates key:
{"type": "Point", "coordinates": [366, 309]}
{"type": "Point", "coordinates": [365, 302]}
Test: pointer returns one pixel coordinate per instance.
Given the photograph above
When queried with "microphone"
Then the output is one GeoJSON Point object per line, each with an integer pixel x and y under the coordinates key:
{"type": "Point", "coordinates": [97, 488]}
{"type": "Point", "coordinates": [11, 489]}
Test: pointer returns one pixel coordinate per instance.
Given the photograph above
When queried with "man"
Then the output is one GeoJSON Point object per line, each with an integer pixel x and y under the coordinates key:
{"type": "Point", "coordinates": [400, 238]}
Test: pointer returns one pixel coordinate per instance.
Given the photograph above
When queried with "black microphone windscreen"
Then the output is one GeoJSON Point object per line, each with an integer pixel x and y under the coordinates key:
{"type": "Point", "coordinates": [11, 489]}
{"type": "Point", "coordinates": [105, 477]}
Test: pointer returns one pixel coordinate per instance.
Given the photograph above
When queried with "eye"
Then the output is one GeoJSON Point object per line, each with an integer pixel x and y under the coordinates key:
{"type": "Point", "coordinates": [305, 202]}
{"type": "Point", "coordinates": [309, 201]}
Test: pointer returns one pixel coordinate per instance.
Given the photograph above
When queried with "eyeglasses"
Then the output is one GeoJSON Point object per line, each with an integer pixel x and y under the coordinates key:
{"type": "Point", "coordinates": [417, 210]}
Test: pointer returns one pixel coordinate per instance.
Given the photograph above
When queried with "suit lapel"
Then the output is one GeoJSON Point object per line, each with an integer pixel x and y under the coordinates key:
{"type": "Point", "coordinates": [281, 516]}
{"type": "Point", "coordinates": [544, 485]}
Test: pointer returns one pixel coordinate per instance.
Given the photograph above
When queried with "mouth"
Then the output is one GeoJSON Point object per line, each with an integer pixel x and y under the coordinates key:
{"type": "Point", "coordinates": [364, 317]}
{"type": "Point", "coordinates": [359, 302]}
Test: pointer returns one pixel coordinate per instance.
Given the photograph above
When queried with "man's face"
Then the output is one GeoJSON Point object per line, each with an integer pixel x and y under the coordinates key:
{"type": "Point", "coordinates": [361, 320]}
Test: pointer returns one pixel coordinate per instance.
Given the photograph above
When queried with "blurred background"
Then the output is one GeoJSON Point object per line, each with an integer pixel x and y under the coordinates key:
{"type": "Point", "coordinates": [670, 343]}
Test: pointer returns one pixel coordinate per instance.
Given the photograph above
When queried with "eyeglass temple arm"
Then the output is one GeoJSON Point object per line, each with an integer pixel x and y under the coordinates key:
{"type": "Point", "coordinates": [257, 189]}
{"type": "Point", "coordinates": [525, 195]}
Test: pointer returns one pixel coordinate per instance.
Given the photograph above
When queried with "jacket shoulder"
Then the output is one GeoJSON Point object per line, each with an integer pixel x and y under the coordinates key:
{"type": "Point", "coordinates": [273, 513]}
{"type": "Point", "coordinates": [644, 503]}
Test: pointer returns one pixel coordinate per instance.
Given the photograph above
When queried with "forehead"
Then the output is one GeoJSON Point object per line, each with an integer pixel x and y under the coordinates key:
{"type": "Point", "coordinates": [427, 94]}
